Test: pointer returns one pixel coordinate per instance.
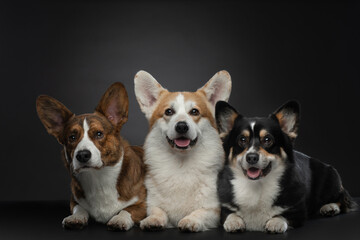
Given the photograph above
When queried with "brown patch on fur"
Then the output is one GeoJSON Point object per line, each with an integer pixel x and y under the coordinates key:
{"type": "Point", "coordinates": [131, 180]}
{"type": "Point", "coordinates": [246, 133]}
{"type": "Point", "coordinates": [263, 133]}
{"type": "Point", "coordinates": [202, 105]}
{"type": "Point", "coordinates": [137, 211]}
{"type": "Point", "coordinates": [198, 97]}
{"type": "Point", "coordinates": [53, 114]}
{"type": "Point", "coordinates": [164, 98]}
{"type": "Point", "coordinates": [233, 161]}
{"type": "Point", "coordinates": [76, 189]}
{"type": "Point", "coordinates": [114, 105]}
{"type": "Point", "coordinates": [266, 153]}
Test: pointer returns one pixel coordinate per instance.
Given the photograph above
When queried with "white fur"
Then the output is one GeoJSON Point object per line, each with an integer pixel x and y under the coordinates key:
{"type": "Point", "coordinates": [122, 221]}
{"type": "Point", "coordinates": [276, 225]}
{"type": "Point", "coordinates": [147, 90]}
{"type": "Point", "coordinates": [330, 209]}
{"type": "Point", "coordinates": [101, 196]}
{"type": "Point", "coordinates": [255, 198]}
{"type": "Point", "coordinates": [252, 124]}
{"type": "Point", "coordinates": [234, 223]}
{"type": "Point", "coordinates": [79, 215]}
{"type": "Point", "coordinates": [180, 183]}
{"type": "Point", "coordinates": [87, 144]}
{"type": "Point", "coordinates": [218, 88]}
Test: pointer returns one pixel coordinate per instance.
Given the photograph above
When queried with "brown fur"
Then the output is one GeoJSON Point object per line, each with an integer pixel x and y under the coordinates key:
{"type": "Point", "coordinates": [109, 116]}
{"type": "Point", "coordinates": [199, 97]}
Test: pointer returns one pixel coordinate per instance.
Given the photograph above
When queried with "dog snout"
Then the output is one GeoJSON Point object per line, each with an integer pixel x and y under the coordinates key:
{"type": "Point", "coordinates": [83, 156]}
{"type": "Point", "coordinates": [252, 158]}
{"type": "Point", "coordinates": [181, 127]}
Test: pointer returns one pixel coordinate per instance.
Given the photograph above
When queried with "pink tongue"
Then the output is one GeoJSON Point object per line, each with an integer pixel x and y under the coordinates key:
{"type": "Point", "coordinates": [253, 172]}
{"type": "Point", "coordinates": [182, 142]}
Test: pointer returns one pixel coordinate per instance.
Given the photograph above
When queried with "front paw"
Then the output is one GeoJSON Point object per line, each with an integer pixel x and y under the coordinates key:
{"type": "Point", "coordinates": [121, 222]}
{"type": "Point", "coordinates": [276, 225]}
{"type": "Point", "coordinates": [153, 223]}
{"type": "Point", "coordinates": [234, 223]}
{"type": "Point", "coordinates": [330, 210]}
{"type": "Point", "coordinates": [74, 222]}
{"type": "Point", "coordinates": [191, 224]}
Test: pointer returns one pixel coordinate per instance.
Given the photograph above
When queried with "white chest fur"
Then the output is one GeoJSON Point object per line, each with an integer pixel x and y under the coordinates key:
{"type": "Point", "coordinates": [180, 183]}
{"type": "Point", "coordinates": [256, 198]}
{"type": "Point", "coordinates": [101, 196]}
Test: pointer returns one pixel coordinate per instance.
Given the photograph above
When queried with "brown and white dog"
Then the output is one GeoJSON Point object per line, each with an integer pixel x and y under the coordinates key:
{"type": "Point", "coordinates": [183, 153]}
{"type": "Point", "coordinates": [107, 173]}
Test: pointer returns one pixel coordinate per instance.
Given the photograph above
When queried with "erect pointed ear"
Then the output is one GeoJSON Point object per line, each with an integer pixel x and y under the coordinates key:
{"type": "Point", "coordinates": [147, 91]}
{"type": "Point", "coordinates": [288, 117]}
{"type": "Point", "coordinates": [218, 88]}
{"type": "Point", "coordinates": [53, 115]}
{"type": "Point", "coordinates": [114, 105]}
{"type": "Point", "coordinates": [225, 116]}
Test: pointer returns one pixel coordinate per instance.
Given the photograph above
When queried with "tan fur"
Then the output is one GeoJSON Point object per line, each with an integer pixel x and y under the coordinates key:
{"type": "Point", "coordinates": [165, 97]}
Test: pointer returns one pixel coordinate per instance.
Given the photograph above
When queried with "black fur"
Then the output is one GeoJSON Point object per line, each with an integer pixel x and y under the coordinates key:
{"type": "Point", "coordinates": [306, 184]}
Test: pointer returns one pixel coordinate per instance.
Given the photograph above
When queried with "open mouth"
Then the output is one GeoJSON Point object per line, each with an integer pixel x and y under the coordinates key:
{"type": "Point", "coordinates": [254, 173]}
{"type": "Point", "coordinates": [181, 142]}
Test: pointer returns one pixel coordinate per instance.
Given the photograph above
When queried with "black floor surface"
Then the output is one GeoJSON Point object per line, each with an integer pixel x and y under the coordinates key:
{"type": "Point", "coordinates": [42, 220]}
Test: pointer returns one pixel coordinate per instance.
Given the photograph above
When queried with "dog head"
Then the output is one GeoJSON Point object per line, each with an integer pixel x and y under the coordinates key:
{"type": "Point", "coordinates": [258, 146]}
{"type": "Point", "coordinates": [181, 117]}
{"type": "Point", "coordinates": [91, 141]}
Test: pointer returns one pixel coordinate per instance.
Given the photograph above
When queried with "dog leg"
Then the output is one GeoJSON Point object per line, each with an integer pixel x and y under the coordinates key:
{"type": "Point", "coordinates": [276, 225]}
{"type": "Point", "coordinates": [157, 220]}
{"type": "Point", "coordinates": [234, 223]}
{"type": "Point", "coordinates": [128, 217]}
{"type": "Point", "coordinates": [121, 221]}
{"type": "Point", "coordinates": [77, 220]}
{"type": "Point", "coordinates": [200, 220]}
{"type": "Point", "coordinates": [330, 209]}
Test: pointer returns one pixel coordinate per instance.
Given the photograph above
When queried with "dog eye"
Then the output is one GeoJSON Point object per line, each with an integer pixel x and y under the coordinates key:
{"type": "Point", "coordinates": [72, 138]}
{"type": "Point", "coordinates": [194, 112]}
{"type": "Point", "coordinates": [267, 141]}
{"type": "Point", "coordinates": [243, 141]}
{"type": "Point", "coordinates": [169, 112]}
{"type": "Point", "coordinates": [99, 135]}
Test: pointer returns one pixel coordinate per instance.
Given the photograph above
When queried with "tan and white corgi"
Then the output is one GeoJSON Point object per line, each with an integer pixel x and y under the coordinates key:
{"type": "Point", "coordinates": [107, 173]}
{"type": "Point", "coordinates": [183, 153]}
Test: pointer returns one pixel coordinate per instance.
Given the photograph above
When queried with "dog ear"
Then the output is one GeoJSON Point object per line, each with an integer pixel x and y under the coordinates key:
{"type": "Point", "coordinates": [218, 88]}
{"type": "Point", "coordinates": [288, 117]}
{"type": "Point", "coordinates": [114, 105]}
{"type": "Point", "coordinates": [225, 116]}
{"type": "Point", "coordinates": [53, 115]}
{"type": "Point", "coordinates": [147, 91]}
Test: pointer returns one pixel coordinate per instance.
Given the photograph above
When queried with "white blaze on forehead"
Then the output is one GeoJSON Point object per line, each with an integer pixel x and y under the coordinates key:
{"type": "Point", "coordinates": [252, 124]}
{"type": "Point", "coordinates": [179, 104]}
{"type": "Point", "coordinates": [87, 144]}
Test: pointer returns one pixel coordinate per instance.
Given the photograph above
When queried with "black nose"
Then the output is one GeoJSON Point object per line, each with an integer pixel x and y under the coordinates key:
{"type": "Point", "coordinates": [83, 156]}
{"type": "Point", "coordinates": [181, 127]}
{"type": "Point", "coordinates": [252, 158]}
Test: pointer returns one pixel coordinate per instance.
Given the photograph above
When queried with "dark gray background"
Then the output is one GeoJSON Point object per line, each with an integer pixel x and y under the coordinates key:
{"type": "Point", "coordinates": [274, 51]}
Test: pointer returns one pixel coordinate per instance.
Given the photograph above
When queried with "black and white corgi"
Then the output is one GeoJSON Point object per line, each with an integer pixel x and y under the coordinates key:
{"type": "Point", "coordinates": [183, 153]}
{"type": "Point", "coordinates": [266, 185]}
{"type": "Point", "coordinates": [107, 173]}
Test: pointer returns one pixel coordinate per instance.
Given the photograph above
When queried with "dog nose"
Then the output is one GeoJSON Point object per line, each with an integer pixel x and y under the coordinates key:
{"type": "Point", "coordinates": [181, 127]}
{"type": "Point", "coordinates": [83, 156]}
{"type": "Point", "coordinates": [252, 158]}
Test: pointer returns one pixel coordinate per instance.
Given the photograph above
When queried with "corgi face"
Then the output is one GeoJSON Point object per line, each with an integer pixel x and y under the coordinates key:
{"type": "Point", "coordinates": [91, 141]}
{"type": "Point", "coordinates": [180, 117]}
{"type": "Point", "coordinates": [257, 146]}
